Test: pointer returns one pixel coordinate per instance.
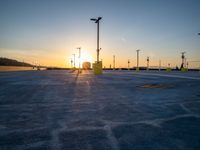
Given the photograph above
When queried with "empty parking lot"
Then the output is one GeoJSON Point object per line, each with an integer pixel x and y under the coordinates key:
{"type": "Point", "coordinates": [119, 110]}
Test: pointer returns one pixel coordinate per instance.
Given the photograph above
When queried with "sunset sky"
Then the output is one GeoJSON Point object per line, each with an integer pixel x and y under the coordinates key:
{"type": "Point", "coordinates": [48, 32]}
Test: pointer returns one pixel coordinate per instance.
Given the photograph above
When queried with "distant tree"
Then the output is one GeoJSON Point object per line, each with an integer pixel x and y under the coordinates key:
{"type": "Point", "coordinates": [12, 62]}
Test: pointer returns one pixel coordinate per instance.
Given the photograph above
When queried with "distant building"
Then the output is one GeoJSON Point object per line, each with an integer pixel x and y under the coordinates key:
{"type": "Point", "coordinates": [86, 65]}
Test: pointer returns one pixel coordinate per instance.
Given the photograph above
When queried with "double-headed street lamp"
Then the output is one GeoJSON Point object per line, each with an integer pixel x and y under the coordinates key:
{"type": "Point", "coordinates": [97, 22]}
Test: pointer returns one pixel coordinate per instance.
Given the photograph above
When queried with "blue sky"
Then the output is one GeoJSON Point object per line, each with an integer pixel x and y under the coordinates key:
{"type": "Point", "coordinates": [49, 31]}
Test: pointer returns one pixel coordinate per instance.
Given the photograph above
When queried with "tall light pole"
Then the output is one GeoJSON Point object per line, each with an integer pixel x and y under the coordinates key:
{"type": "Point", "coordinates": [137, 58]}
{"type": "Point", "coordinates": [74, 60]}
{"type": "Point", "coordinates": [79, 56]}
{"type": "Point", "coordinates": [183, 59]}
{"type": "Point", "coordinates": [147, 63]}
{"type": "Point", "coordinates": [128, 64]}
{"type": "Point", "coordinates": [113, 61]}
{"type": "Point", "coordinates": [97, 22]}
{"type": "Point", "coordinates": [71, 62]}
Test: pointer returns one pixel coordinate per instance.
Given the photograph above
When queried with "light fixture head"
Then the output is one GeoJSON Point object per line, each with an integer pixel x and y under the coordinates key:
{"type": "Point", "coordinates": [96, 20]}
{"type": "Point", "coordinates": [92, 19]}
{"type": "Point", "coordinates": [99, 18]}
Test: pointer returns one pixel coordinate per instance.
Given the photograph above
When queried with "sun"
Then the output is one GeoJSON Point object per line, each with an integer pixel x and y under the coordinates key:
{"type": "Point", "coordinates": [85, 57]}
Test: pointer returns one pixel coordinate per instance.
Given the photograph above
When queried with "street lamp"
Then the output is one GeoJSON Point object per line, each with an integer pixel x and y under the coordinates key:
{"type": "Point", "coordinates": [97, 22]}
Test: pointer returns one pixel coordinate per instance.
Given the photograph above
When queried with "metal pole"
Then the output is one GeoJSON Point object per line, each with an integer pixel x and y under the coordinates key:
{"type": "Point", "coordinates": [147, 62]}
{"type": "Point", "coordinates": [74, 60]}
{"type": "Point", "coordinates": [128, 63]}
{"type": "Point", "coordinates": [71, 62]}
{"type": "Point", "coordinates": [113, 61]}
{"type": "Point", "coordinates": [97, 22]}
{"type": "Point", "coordinates": [97, 41]}
{"type": "Point", "coordinates": [79, 50]}
{"type": "Point", "coordinates": [183, 60]}
{"type": "Point", "coordinates": [137, 58]}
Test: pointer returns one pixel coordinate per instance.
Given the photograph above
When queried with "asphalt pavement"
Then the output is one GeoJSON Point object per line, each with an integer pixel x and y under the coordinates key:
{"type": "Point", "coordinates": [119, 110]}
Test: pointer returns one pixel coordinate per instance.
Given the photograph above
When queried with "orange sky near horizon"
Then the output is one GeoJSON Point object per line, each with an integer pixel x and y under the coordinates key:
{"type": "Point", "coordinates": [62, 58]}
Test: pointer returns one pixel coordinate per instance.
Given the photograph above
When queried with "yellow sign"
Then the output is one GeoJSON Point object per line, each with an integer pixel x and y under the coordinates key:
{"type": "Point", "coordinates": [184, 69]}
{"type": "Point", "coordinates": [97, 67]}
{"type": "Point", "coordinates": [168, 69]}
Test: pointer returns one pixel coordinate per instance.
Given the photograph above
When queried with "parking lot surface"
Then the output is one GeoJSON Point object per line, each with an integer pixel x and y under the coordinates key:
{"type": "Point", "coordinates": [119, 110]}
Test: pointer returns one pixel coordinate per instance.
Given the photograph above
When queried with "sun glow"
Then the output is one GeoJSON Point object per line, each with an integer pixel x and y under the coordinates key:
{"type": "Point", "coordinates": [85, 57]}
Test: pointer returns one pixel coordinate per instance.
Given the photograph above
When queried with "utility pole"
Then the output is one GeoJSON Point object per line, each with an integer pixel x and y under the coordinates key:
{"type": "Point", "coordinates": [137, 58]}
{"type": "Point", "coordinates": [147, 63]}
{"type": "Point", "coordinates": [113, 61]}
{"type": "Point", "coordinates": [97, 22]}
{"type": "Point", "coordinates": [74, 60]}
{"type": "Point", "coordinates": [79, 56]}
{"type": "Point", "coordinates": [183, 59]}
